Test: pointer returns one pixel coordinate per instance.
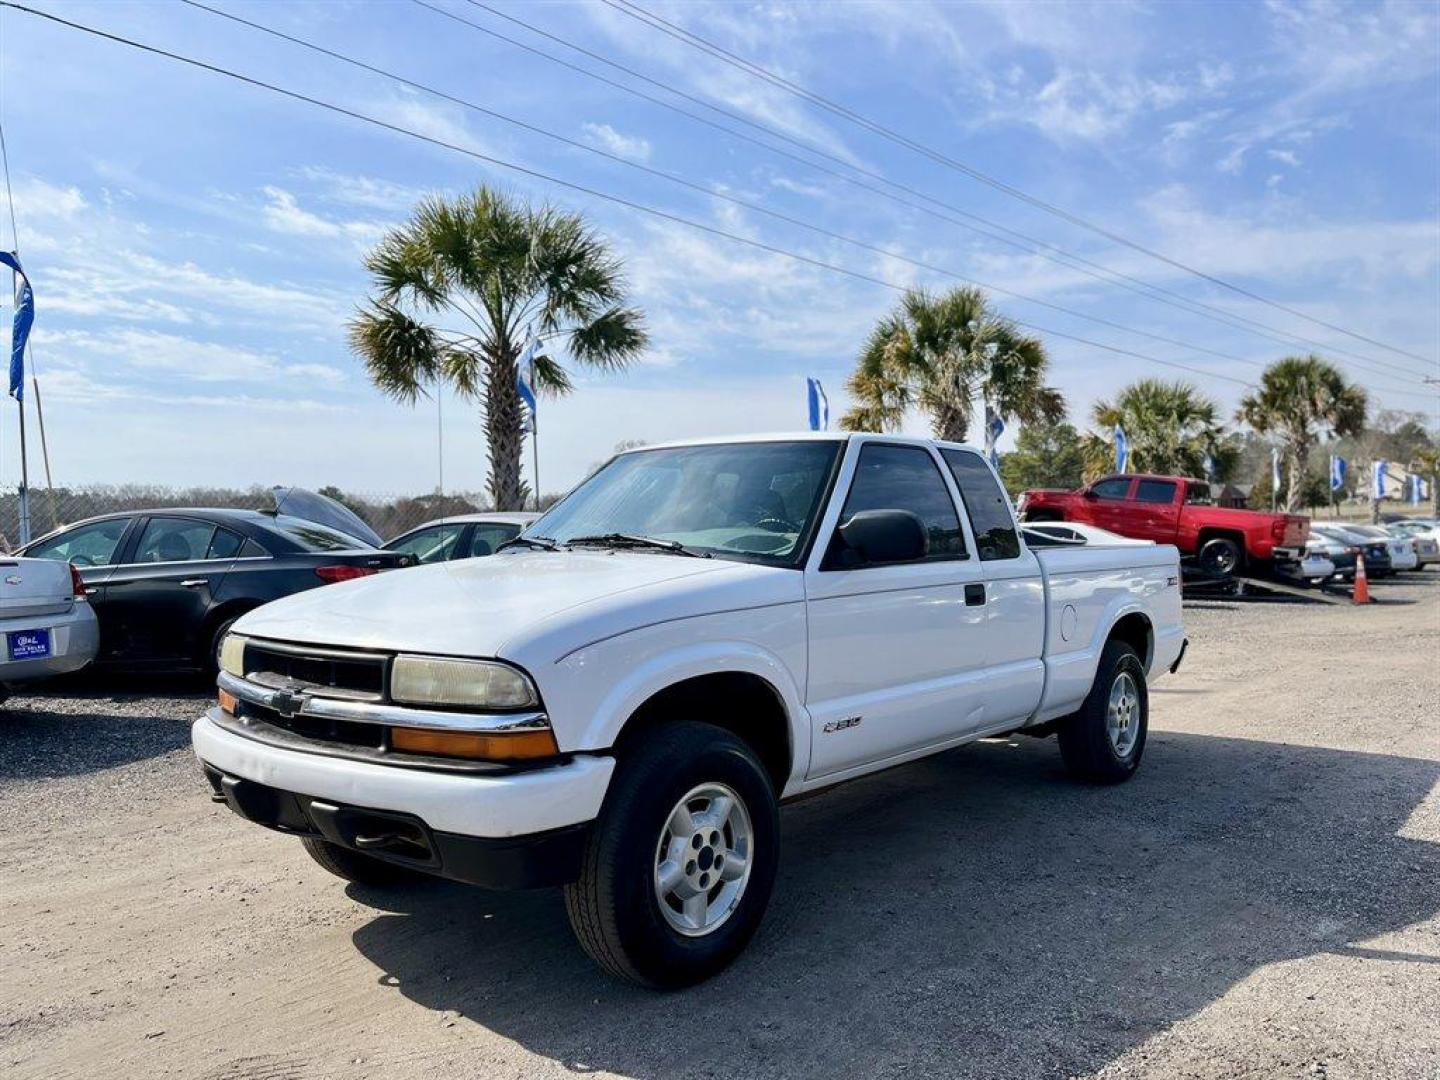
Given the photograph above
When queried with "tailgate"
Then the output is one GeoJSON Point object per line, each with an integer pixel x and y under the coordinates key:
{"type": "Point", "coordinates": [31, 587]}
{"type": "Point", "coordinates": [1296, 531]}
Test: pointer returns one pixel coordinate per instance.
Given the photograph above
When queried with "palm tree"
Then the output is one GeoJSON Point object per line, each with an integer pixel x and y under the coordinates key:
{"type": "Point", "coordinates": [1299, 396]}
{"type": "Point", "coordinates": [1427, 464]}
{"type": "Point", "coordinates": [935, 353]}
{"type": "Point", "coordinates": [1171, 428]}
{"type": "Point", "coordinates": [456, 292]}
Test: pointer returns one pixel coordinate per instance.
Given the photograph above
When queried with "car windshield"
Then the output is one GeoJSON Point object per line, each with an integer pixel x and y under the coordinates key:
{"type": "Point", "coordinates": [312, 536]}
{"type": "Point", "coordinates": [748, 501]}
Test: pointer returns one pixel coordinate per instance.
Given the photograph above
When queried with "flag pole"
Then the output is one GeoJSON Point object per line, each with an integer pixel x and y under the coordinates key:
{"type": "Point", "coordinates": [24, 478]}
{"type": "Point", "coordinates": [535, 435]}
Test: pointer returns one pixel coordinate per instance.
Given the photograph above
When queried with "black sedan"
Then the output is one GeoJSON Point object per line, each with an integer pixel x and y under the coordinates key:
{"type": "Point", "coordinates": [167, 584]}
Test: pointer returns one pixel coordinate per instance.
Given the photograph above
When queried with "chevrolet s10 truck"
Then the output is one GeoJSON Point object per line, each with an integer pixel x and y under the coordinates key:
{"type": "Point", "coordinates": [618, 702]}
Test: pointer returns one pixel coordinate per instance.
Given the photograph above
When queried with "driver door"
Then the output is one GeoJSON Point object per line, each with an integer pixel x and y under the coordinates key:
{"type": "Point", "coordinates": [897, 658]}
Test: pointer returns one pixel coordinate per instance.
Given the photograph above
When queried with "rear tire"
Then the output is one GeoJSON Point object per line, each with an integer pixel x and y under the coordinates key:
{"type": "Point", "coordinates": [358, 867]}
{"type": "Point", "coordinates": [1104, 742]}
{"type": "Point", "coordinates": [644, 854]}
{"type": "Point", "coordinates": [1221, 555]}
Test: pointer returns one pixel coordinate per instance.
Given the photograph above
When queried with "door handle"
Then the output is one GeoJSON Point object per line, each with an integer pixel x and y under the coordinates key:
{"type": "Point", "coordinates": [974, 595]}
{"type": "Point", "coordinates": [195, 582]}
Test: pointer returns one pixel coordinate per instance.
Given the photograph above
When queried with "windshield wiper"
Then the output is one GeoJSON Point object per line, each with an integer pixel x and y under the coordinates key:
{"type": "Point", "coordinates": [619, 540]}
{"type": "Point", "coordinates": [542, 542]}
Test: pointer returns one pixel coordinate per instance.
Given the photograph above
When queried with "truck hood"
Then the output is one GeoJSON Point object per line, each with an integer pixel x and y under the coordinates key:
{"type": "Point", "coordinates": [495, 606]}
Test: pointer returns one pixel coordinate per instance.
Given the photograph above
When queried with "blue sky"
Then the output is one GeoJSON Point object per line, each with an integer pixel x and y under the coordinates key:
{"type": "Point", "coordinates": [195, 244]}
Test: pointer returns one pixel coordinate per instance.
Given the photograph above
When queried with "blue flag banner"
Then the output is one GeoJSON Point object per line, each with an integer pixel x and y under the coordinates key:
{"type": "Point", "coordinates": [994, 428]}
{"type": "Point", "coordinates": [1210, 467]}
{"type": "Point", "coordinates": [1416, 484]}
{"type": "Point", "coordinates": [24, 319]}
{"type": "Point", "coordinates": [1122, 450]}
{"type": "Point", "coordinates": [818, 404]}
{"type": "Point", "coordinates": [1337, 472]}
{"type": "Point", "coordinates": [1275, 469]}
{"type": "Point", "coordinates": [1382, 473]}
{"type": "Point", "coordinates": [525, 378]}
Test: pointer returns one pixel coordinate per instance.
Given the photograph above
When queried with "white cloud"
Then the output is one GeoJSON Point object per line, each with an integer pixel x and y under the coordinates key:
{"type": "Point", "coordinates": [283, 213]}
{"type": "Point", "coordinates": [129, 352]}
{"type": "Point", "coordinates": [1285, 157]}
{"type": "Point", "coordinates": [631, 147]}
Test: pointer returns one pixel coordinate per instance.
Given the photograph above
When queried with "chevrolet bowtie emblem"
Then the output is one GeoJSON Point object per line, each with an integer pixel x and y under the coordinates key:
{"type": "Point", "coordinates": [288, 703]}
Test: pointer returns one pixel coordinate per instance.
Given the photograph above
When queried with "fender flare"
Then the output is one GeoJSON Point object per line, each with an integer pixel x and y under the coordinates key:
{"type": "Point", "coordinates": [623, 697]}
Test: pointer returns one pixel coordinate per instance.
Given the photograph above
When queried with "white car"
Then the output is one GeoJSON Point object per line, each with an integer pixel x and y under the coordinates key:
{"type": "Point", "coordinates": [46, 624]}
{"type": "Point", "coordinates": [1424, 533]}
{"type": "Point", "coordinates": [698, 631]}
{"type": "Point", "coordinates": [462, 536]}
{"type": "Point", "coordinates": [1402, 551]}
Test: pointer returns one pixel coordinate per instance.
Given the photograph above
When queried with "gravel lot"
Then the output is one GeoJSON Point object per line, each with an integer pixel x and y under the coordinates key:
{"type": "Point", "coordinates": [1263, 900]}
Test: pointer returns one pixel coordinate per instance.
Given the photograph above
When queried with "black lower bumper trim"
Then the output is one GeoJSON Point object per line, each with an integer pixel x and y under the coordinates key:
{"type": "Point", "coordinates": [535, 860]}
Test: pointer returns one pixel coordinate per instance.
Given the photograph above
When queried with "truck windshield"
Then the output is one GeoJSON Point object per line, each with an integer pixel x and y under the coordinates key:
{"type": "Point", "coordinates": [754, 502]}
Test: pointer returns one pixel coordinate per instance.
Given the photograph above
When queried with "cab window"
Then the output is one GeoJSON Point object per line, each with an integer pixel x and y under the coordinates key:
{"type": "Point", "coordinates": [995, 535]}
{"type": "Point", "coordinates": [907, 478]}
{"type": "Point", "coordinates": [1115, 488]}
{"type": "Point", "coordinates": [1155, 491]}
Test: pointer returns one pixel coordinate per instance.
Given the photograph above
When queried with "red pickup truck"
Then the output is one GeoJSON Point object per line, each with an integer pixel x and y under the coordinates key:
{"type": "Point", "coordinates": [1179, 511]}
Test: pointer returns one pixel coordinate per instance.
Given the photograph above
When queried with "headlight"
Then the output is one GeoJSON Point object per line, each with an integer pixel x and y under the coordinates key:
{"type": "Point", "coordinates": [474, 684]}
{"type": "Point", "coordinates": [232, 654]}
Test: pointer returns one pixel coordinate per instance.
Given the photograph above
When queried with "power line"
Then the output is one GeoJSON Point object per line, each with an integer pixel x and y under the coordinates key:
{"type": "Point", "coordinates": [537, 174]}
{"type": "Point", "coordinates": [710, 191]}
{"type": "Point", "coordinates": [1028, 244]}
{"type": "Point", "coordinates": [638, 13]}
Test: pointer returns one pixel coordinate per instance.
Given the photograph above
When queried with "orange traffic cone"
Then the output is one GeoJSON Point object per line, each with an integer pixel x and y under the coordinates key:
{"type": "Point", "coordinates": [1362, 585]}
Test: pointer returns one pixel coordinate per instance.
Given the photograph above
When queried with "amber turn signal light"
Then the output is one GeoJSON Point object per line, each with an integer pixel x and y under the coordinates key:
{"type": "Point", "coordinates": [228, 702]}
{"type": "Point", "coordinates": [500, 746]}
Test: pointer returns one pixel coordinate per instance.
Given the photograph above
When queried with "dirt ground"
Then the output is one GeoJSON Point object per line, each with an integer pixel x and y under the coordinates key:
{"type": "Point", "coordinates": [1263, 900]}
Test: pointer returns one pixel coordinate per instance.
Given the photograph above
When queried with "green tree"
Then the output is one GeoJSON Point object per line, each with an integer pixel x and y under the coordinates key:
{"type": "Point", "coordinates": [1427, 463]}
{"type": "Point", "coordinates": [1298, 398]}
{"type": "Point", "coordinates": [935, 353]}
{"type": "Point", "coordinates": [1045, 456]}
{"type": "Point", "coordinates": [456, 290]}
{"type": "Point", "coordinates": [1171, 428]}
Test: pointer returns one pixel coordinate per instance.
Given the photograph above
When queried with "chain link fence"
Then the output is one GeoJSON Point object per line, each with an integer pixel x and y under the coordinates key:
{"type": "Point", "coordinates": [388, 514]}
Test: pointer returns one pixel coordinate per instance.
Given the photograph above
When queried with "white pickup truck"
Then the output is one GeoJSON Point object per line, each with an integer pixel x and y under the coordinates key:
{"type": "Point", "coordinates": [618, 701]}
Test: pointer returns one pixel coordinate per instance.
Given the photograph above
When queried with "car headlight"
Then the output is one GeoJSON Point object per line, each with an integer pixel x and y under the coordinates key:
{"type": "Point", "coordinates": [232, 654]}
{"type": "Point", "coordinates": [472, 684]}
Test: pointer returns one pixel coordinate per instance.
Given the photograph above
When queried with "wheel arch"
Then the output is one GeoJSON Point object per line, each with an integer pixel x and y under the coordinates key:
{"type": "Point", "coordinates": [1134, 629]}
{"type": "Point", "coordinates": [734, 685]}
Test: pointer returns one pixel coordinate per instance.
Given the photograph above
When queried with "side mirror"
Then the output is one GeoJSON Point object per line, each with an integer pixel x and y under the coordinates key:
{"type": "Point", "coordinates": [883, 536]}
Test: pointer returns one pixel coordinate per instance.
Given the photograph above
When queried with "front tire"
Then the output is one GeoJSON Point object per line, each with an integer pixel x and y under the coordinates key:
{"type": "Point", "coordinates": [358, 867]}
{"type": "Point", "coordinates": [1104, 741]}
{"type": "Point", "coordinates": [679, 868]}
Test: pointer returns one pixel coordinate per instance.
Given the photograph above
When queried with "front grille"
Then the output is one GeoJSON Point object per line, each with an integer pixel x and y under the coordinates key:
{"type": "Point", "coordinates": [342, 732]}
{"type": "Point", "coordinates": [352, 675]}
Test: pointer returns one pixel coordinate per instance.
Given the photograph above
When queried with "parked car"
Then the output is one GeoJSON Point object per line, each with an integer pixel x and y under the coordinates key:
{"type": "Point", "coordinates": [1340, 555]}
{"type": "Point", "coordinates": [465, 536]}
{"type": "Point", "coordinates": [46, 622]}
{"type": "Point", "coordinates": [1425, 534]}
{"type": "Point", "coordinates": [1314, 564]}
{"type": "Point", "coordinates": [1376, 552]}
{"type": "Point", "coordinates": [1180, 511]}
{"type": "Point", "coordinates": [619, 702]}
{"type": "Point", "coordinates": [167, 584]}
{"type": "Point", "coordinates": [1402, 551]}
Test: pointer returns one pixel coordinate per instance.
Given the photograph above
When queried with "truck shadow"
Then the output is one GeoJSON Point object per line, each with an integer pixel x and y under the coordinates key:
{"type": "Point", "coordinates": [975, 914]}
